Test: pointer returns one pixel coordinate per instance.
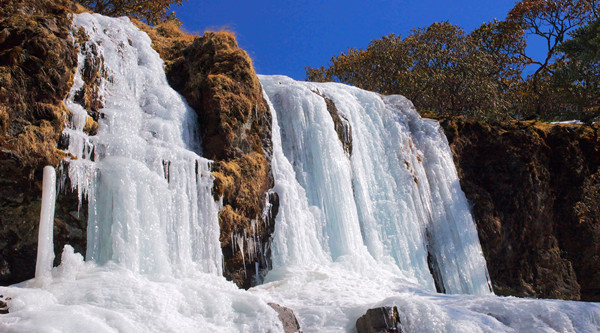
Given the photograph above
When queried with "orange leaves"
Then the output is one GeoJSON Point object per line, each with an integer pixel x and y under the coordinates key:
{"type": "Point", "coordinates": [149, 11]}
{"type": "Point", "coordinates": [440, 68]}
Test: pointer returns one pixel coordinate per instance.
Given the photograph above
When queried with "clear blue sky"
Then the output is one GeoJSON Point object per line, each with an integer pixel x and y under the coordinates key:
{"type": "Point", "coordinates": [283, 37]}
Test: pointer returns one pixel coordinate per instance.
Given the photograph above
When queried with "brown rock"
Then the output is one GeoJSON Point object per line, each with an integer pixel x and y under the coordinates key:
{"type": "Point", "coordinates": [37, 65]}
{"type": "Point", "coordinates": [524, 180]}
{"type": "Point", "coordinates": [341, 124]}
{"type": "Point", "coordinates": [287, 317]}
{"type": "Point", "coordinates": [379, 320]}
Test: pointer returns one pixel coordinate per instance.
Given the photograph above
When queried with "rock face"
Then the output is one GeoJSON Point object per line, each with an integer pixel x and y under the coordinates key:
{"type": "Point", "coordinates": [217, 79]}
{"type": "Point", "coordinates": [287, 317]}
{"type": "Point", "coordinates": [379, 320]}
{"type": "Point", "coordinates": [37, 65]}
{"type": "Point", "coordinates": [534, 191]}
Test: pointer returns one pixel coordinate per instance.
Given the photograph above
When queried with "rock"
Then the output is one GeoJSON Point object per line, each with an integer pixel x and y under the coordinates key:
{"type": "Point", "coordinates": [341, 124]}
{"type": "Point", "coordinates": [379, 320]}
{"type": "Point", "coordinates": [524, 181]}
{"type": "Point", "coordinates": [37, 65]}
{"type": "Point", "coordinates": [3, 304]}
{"type": "Point", "coordinates": [287, 317]}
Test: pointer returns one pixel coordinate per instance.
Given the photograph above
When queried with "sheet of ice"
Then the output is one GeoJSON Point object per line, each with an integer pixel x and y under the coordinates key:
{"type": "Point", "coordinates": [398, 189]}
{"type": "Point", "coordinates": [573, 122]}
{"type": "Point", "coordinates": [154, 260]}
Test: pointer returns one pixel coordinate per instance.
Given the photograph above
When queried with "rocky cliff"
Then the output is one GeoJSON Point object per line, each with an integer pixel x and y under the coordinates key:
{"type": "Point", "coordinates": [534, 191]}
{"type": "Point", "coordinates": [37, 64]}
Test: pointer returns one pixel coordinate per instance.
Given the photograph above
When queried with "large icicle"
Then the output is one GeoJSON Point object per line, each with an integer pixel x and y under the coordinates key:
{"type": "Point", "coordinates": [45, 251]}
{"type": "Point", "coordinates": [149, 193]}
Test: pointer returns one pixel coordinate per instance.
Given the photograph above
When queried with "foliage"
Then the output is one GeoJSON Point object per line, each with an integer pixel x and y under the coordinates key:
{"type": "Point", "coordinates": [446, 71]}
{"type": "Point", "coordinates": [150, 11]}
{"type": "Point", "coordinates": [440, 68]}
{"type": "Point", "coordinates": [551, 20]}
{"type": "Point", "coordinates": [579, 77]}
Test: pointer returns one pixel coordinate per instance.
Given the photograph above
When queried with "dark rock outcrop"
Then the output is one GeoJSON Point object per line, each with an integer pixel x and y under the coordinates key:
{"type": "Point", "coordinates": [341, 124]}
{"type": "Point", "coordinates": [525, 180]}
{"type": "Point", "coordinates": [379, 320]}
{"type": "Point", "coordinates": [37, 65]}
{"type": "Point", "coordinates": [287, 317]}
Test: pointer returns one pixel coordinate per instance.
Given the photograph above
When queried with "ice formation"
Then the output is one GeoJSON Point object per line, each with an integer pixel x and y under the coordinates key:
{"type": "Point", "coordinates": [150, 206]}
{"type": "Point", "coordinates": [45, 251]}
{"type": "Point", "coordinates": [154, 260]}
{"type": "Point", "coordinates": [398, 188]}
{"type": "Point", "coordinates": [384, 224]}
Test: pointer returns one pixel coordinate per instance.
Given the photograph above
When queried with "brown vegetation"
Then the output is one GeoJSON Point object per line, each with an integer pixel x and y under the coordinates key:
{"type": "Point", "coordinates": [440, 68]}
{"type": "Point", "coordinates": [445, 71]}
{"type": "Point", "coordinates": [152, 12]}
{"type": "Point", "coordinates": [37, 64]}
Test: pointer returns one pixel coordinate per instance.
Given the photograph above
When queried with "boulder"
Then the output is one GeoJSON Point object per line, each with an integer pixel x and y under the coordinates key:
{"type": "Point", "coordinates": [379, 320]}
{"type": "Point", "coordinates": [287, 317]}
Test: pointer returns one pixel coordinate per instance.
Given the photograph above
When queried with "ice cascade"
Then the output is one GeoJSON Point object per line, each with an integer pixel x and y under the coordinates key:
{"type": "Point", "coordinates": [395, 198]}
{"type": "Point", "coordinates": [149, 192]}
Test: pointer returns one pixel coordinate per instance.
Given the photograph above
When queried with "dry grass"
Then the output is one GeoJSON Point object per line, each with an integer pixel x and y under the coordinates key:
{"type": "Point", "coordinates": [167, 38]}
{"type": "Point", "coordinates": [37, 144]}
{"type": "Point", "coordinates": [37, 64]}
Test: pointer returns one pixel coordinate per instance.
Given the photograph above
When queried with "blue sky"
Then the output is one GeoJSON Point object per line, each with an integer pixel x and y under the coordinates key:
{"type": "Point", "coordinates": [283, 37]}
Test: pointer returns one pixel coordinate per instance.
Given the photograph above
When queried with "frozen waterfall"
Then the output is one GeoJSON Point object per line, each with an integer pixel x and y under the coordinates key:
{"type": "Point", "coordinates": [394, 199]}
{"type": "Point", "coordinates": [154, 260]}
{"type": "Point", "coordinates": [149, 193]}
{"type": "Point", "coordinates": [371, 214]}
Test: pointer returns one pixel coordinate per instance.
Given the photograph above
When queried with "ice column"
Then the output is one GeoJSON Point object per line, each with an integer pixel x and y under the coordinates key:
{"type": "Point", "coordinates": [45, 252]}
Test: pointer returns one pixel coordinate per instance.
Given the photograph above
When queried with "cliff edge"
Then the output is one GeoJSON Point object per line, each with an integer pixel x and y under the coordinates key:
{"type": "Point", "coordinates": [534, 191]}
